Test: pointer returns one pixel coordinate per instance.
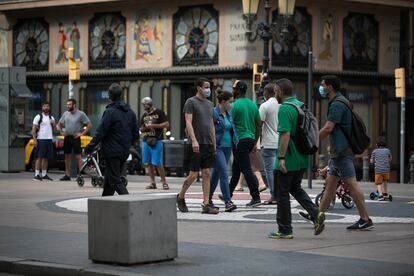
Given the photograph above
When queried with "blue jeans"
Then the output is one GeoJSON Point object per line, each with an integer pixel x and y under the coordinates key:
{"type": "Point", "coordinates": [269, 157]}
{"type": "Point", "coordinates": [220, 171]}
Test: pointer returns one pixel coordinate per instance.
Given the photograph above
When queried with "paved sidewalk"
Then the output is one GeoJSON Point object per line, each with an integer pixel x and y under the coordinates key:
{"type": "Point", "coordinates": [37, 237]}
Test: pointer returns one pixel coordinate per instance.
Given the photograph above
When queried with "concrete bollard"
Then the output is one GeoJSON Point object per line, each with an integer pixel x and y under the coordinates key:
{"type": "Point", "coordinates": [365, 168]}
{"type": "Point", "coordinates": [411, 169]}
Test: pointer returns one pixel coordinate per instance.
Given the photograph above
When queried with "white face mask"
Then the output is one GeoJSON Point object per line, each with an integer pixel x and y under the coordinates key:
{"type": "Point", "coordinates": [206, 92]}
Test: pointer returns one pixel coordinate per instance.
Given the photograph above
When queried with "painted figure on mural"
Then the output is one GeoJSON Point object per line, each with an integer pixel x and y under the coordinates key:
{"type": "Point", "coordinates": [61, 39]}
{"type": "Point", "coordinates": [158, 37]}
{"type": "Point", "coordinates": [327, 36]}
{"type": "Point", "coordinates": [75, 39]}
{"type": "Point", "coordinates": [143, 36]}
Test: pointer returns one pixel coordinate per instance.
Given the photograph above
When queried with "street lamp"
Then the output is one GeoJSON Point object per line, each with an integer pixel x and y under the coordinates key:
{"type": "Point", "coordinates": [266, 29]}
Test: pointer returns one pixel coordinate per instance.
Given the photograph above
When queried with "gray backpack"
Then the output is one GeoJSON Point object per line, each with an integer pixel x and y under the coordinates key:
{"type": "Point", "coordinates": [306, 137]}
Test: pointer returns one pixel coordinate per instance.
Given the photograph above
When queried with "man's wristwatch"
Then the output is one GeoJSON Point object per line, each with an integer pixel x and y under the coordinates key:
{"type": "Point", "coordinates": [281, 158]}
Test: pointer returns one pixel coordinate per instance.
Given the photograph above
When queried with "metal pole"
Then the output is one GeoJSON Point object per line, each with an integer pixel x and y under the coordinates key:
{"type": "Point", "coordinates": [402, 141]}
{"type": "Point", "coordinates": [310, 89]}
{"type": "Point", "coordinates": [71, 89]}
{"type": "Point", "coordinates": [266, 36]}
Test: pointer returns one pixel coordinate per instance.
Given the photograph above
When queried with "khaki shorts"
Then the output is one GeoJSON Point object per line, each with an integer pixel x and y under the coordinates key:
{"type": "Point", "coordinates": [381, 177]}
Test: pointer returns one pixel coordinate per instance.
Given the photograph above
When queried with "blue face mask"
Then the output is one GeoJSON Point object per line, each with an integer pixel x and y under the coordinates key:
{"type": "Point", "coordinates": [322, 91]}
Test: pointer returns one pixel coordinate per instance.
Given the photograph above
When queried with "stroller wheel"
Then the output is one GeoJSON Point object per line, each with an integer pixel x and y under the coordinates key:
{"type": "Point", "coordinates": [80, 181]}
{"type": "Point", "coordinates": [124, 180]}
{"type": "Point", "coordinates": [347, 202]}
{"type": "Point", "coordinates": [100, 181]}
{"type": "Point", "coordinates": [94, 182]}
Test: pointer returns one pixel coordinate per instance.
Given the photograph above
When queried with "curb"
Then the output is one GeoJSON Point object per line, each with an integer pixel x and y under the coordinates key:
{"type": "Point", "coordinates": [32, 267]}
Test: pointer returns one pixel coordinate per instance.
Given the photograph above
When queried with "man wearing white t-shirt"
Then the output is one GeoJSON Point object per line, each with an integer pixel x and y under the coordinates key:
{"type": "Point", "coordinates": [42, 132]}
{"type": "Point", "coordinates": [269, 111]}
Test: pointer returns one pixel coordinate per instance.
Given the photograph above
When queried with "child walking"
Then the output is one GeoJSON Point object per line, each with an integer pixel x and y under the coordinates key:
{"type": "Point", "coordinates": [381, 157]}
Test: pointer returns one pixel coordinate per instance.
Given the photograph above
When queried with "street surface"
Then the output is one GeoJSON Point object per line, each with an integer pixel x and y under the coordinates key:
{"type": "Point", "coordinates": [43, 225]}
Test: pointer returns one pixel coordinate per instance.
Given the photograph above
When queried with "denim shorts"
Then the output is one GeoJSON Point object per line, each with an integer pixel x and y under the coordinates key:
{"type": "Point", "coordinates": [152, 155]}
{"type": "Point", "coordinates": [342, 167]}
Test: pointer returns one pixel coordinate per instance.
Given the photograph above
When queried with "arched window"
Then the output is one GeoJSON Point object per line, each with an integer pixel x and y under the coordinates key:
{"type": "Point", "coordinates": [195, 36]}
{"type": "Point", "coordinates": [360, 46]}
{"type": "Point", "coordinates": [291, 49]}
{"type": "Point", "coordinates": [31, 44]}
{"type": "Point", "coordinates": [107, 41]}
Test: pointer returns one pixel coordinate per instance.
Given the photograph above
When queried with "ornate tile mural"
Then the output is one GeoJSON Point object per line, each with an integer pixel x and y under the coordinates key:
{"type": "Point", "coordinates": [66, 33]}
{"type": "Point", "coordinates": [148, 34]}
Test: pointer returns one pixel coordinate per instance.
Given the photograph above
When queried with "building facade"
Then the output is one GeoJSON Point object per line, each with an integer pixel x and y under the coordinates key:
{"type": "Point", "coordinates": [158, 48]}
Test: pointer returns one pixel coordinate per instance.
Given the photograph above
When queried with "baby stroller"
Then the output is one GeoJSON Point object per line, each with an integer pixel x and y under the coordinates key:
{"type": "Point", "coordinates": [342, 193]}
{"type": "Point", "coordinates": [91, 167]}
{"type": "Point", "coordinates": [94, 166]}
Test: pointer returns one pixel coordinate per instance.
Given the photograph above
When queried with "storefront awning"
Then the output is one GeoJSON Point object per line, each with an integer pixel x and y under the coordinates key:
{"type": "Point", "coordinates": [20, 91]}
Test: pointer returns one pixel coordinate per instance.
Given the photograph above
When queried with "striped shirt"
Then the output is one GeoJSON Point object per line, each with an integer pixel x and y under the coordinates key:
{"type": "Point", "coordinates": [381, 158]}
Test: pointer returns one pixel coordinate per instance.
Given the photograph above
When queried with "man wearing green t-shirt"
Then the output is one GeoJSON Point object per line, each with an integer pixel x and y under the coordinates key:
{"type": "Point", "coordinates": [290, 164]}
{"type": "Point", "coordinates": [248, 124]}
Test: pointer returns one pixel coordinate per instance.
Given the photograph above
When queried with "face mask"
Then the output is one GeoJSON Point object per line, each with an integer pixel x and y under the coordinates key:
{"type": "Point", "coordinates": [206, 92]}
{"type": "Point", "coordinates": [229, 107]}
{"type": "Point", "coordinates": [322, 91]}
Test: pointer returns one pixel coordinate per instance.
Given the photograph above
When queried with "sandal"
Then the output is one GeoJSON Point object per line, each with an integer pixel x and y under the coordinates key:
{"type": "Point", "coordinates": [151, 186]}
{"type": "Point", "coordinates": [262, 189]}
{"type": "Point", "coordinates": [165, 186]}
{"type": "Point", "coordinates": [240, 189]}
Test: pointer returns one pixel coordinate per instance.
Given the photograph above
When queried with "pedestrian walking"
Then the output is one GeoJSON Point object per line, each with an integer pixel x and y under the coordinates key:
{"type": "Point", "coordinates": [290, 165]}
{"type": "Point", "coordinates": [153, 121]}
{"type": "Point", "coordinates": [72, 125]}
{"type": "Point", "coordinates": [269, 111]}
{"type": "Point", "coordinates": [341, 165]}
{"type": "Point", "coordinates": [226, 139]}
{"type": "Point", "coordinates": [248, 127]}
{"type": "Point", "coordinates": [198, 114]}
{"type": "Point", "coordinates": [42, 132]}
{"type": "Point", "coordinates": [381, 157]}
{"type": "Point", "coordinates": [117, 131]}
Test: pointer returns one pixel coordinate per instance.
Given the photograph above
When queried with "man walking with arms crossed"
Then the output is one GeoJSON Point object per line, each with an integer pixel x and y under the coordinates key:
{"type": "Point", "coordinates": [198, 113]}
{"type": "Point", "coordinates": [341, 164]}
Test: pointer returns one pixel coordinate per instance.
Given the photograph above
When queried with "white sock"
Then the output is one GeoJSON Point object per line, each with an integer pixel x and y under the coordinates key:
{"type": "Point", "coordinates": [44, 172]}
{"type": "Point", "coordinates": [37, 172]}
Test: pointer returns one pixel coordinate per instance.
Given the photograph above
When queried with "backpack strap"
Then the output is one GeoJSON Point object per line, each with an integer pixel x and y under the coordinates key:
{"type": "Point", "coordinates": [347, 135]}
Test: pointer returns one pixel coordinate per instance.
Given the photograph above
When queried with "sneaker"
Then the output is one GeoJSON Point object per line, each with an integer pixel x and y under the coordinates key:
{"type": "Point", "coordinates": [319, 223]}
{"type": "Point", "coordinates": [46, 177]}
{"type": "Point", "coordinates": [307, 217]}
{"type": "Point", "coordinates": [181, 205]}
{"type": "Point", "coordinates": [254, 203]}
{"type": "Point", "coordinates": [361, 225]}
{"type": "Point", "coordinates": [37, 178]}
{"type": "Point", "coordinates": [230, 207]}
{"type": "Point", "coordinates": [213, 206]}
{"type": "Point", "coordinates": [65, 178]}
{"type": "Point", "coordinates": [208, 209]}
{"type": "Point", "coordinates": [278, 235]}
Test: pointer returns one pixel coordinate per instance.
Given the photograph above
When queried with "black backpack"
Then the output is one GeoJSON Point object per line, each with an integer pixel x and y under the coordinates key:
{"type": "Point", "coordinates": [306, 137]}
{"type": "Point", "coordinates": [359, 141]}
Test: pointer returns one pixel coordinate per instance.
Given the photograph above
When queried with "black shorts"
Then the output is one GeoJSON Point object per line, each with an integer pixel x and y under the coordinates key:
{"type": "Point", "coordinates": [44, 149]}
{"type": "Point", "coordinates": [204, 159]}
{"type": "Point", "coordinates": [70, 143]}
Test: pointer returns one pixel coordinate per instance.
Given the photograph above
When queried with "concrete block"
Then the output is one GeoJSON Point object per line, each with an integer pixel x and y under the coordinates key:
{"type": "Point", "coordinates": [131, 229]}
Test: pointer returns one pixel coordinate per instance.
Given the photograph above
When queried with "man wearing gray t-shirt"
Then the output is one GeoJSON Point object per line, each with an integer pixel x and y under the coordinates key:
{"type": "Point", "coordinates": [198, 113]}
{"type": "Point", "coordinates": [73, 124]}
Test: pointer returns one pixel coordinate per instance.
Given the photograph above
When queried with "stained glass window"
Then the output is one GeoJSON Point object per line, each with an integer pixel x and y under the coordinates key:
{"type": "Point", "coordinates": [292, 48]}
{"type": "Point", "coordinates": [195, 36]}
{"type": "Point", "coordinates": [107, 41]}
